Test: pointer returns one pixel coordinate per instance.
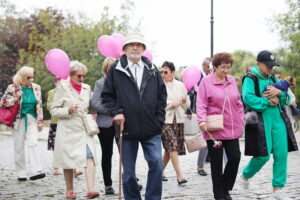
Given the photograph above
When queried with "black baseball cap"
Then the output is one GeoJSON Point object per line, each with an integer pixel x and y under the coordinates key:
{"type": "Point", "coordinates": [267, 58]}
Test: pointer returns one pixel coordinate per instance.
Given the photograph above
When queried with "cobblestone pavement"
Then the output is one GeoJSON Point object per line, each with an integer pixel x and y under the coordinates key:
{"type": "Point", "coordinates": [197, 188]}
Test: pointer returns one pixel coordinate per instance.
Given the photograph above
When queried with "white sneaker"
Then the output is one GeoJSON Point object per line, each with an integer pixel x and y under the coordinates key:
{"type": "Point", "coordinates": [280, 195]}
{"type": "Point", "coordinates": [243, 185]}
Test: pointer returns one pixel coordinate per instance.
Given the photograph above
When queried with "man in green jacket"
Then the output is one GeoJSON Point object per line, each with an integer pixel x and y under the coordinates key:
{"type": "Point", "coordinates": [274, 137]}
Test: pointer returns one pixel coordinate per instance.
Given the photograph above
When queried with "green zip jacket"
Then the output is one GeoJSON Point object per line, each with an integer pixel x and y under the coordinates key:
{"type": "Point", "coordinates": [260, 104]}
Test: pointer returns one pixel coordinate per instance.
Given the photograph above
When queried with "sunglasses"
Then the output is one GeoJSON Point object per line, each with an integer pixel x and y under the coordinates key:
{"type": "Point", "coordinates": [164, 72]}
{"type": "Point", "coordinates": [80, 75]}
{"type": "Point", "coordinates": [30, 77]}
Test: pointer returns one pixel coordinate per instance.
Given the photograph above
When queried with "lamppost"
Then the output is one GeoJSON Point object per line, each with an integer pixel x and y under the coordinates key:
{"type": "Point", "coordinates": [212, 29]}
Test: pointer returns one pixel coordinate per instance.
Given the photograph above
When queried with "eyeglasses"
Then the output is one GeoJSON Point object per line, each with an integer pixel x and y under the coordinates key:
{"type": "Point", "coordinates": [79, 75]}
{"type": "Point", "coordinates": [30, 77]}
{"type": "Point", "coordinates": [225, 67]}
{"type": "Point", "coordinates": [164, 72]}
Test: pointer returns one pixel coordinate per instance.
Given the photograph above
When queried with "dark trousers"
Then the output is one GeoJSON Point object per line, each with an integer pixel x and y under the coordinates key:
{"type": "Point", "coordinates": [106, 138]}
{"type": "Point", "coordinates": [224, 181]}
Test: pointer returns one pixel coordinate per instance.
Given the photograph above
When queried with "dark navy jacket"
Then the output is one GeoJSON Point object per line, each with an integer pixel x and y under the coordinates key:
{"type": "Point", "coordinates": [144, 108]}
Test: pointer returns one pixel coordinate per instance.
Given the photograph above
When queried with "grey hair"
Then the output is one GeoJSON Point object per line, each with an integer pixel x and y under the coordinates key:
{"type": "Point", "coordinates": [206, 61]}
{"type": "Point", "coordinates": [75, 66]}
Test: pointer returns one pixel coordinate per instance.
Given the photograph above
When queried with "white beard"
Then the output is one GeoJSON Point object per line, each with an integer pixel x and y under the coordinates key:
{"type": "Point", "coordinates": [133, 56]}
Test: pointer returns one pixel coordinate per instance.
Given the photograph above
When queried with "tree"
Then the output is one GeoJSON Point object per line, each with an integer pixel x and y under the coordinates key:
{"type": "Point", "coordinates": [26, 40]}
{"type": "Point", "coordinates": [49, 28]}
{"type": "Point", "coordinates": [288, 25]}
{"type": "Point", "coordinates": [12, 39]}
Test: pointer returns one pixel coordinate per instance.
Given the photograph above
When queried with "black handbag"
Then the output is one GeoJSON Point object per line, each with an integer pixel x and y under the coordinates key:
{"type": "Point", "coordinates": [255, 137]}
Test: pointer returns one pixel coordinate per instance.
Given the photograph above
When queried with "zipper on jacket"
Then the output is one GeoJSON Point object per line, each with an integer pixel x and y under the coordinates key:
{"type": "Point", "coordinates": [143, 86]}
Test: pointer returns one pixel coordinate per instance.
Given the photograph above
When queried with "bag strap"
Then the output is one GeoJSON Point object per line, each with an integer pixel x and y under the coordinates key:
{"type": "Point", "coordinates": [255, 80]}
{"type": "Point", "coordinates": [225, 98]}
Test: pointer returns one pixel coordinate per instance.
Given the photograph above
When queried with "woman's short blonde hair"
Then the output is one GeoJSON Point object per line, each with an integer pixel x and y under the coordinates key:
{"type": "Point", "coordinates": [75, 66]}
{"type": "Point", "coordinates": [107, 63]}
{"type": "Point", "coordinates": [21, 76]}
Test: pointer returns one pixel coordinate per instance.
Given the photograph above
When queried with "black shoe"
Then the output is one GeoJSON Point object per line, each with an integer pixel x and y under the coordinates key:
{"type": "Point", "coordinates": [201, 172]}
{"type": "Point", "coordinates": [140, 187]}
{"type": "Point", "coordinates": [227, 195]}
{"type": "Point", "coordinates": [38, 176]}
{"type": "Point", "coordinates": [220, 199]}
{"type": "Point", "coordinates": [22, 179]}
{"type": "Point", "coordinates": [182, 181]}
{"type": "Point", "coordinates": [109, 190]}
{"type": "Point", "coordinates": [164, 178]}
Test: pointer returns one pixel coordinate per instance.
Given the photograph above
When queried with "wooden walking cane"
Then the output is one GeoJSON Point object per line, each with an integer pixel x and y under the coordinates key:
{"type": "Point", "coordinates": [120, 161]}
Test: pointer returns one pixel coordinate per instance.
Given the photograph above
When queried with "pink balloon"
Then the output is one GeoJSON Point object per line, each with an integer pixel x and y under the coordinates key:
{"type": "Point", "coordinates": [148, 54]}
{"type": "Point", "coordinates": [107, 46]}
{"type": "Point", "coordinates": [119, 41]}
{"type": "Point", "coordinates": [190, 76]}
{"type": "Point", "coordinates": [58, 63]}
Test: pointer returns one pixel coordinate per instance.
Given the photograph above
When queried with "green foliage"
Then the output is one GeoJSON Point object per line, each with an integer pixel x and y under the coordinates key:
{"type": "Point", "coordinates": [242, 60]}
{"type": "Point", "coordinates": [12, 39]}
{"type": "Point", "coordinates": [26, 40]}
{"type": "Point", "coordinates": [288, 25]}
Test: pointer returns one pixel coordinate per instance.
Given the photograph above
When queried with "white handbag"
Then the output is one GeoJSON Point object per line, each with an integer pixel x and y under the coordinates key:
{"type": "Point", "coordinates": [90, 124]}
{"type": "Point", "coordinates": [191, 126]}
{"type": "Point", "coordinates": [195, 143]}
{"type": "Point", "coordinates": [216, 122]}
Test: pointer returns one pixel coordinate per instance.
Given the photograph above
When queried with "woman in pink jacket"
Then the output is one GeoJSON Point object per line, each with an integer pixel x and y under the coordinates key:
{"type": "Point", "coordinates": [212, 92]}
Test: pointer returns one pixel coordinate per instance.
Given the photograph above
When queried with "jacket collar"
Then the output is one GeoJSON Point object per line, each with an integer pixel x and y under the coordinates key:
{"type": "Point", "coordinates": [215, 81]}
{"type": "Point", "coordinates": [68, 88]}
{"type": "Point", "coordinates": [122, 65]}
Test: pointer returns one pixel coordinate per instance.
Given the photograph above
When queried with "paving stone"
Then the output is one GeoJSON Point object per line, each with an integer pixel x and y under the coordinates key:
{"type": "Point", "coordinates": [197, 188]}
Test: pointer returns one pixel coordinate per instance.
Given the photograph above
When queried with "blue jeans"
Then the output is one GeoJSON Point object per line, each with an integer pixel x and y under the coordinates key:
{"type": "Point", "coordinates": [153, 155]}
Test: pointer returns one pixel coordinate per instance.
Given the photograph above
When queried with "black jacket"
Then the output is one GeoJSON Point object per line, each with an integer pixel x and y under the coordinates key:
{"type": "Point", "coordinates": [144, 109]}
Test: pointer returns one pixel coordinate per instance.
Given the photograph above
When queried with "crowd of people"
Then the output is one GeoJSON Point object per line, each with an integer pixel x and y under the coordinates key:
{"type": "Point", "coordinates": [135, 103]}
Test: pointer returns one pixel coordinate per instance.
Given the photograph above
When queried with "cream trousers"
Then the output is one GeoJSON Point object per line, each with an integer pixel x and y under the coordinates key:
{"type": "Point", "coordinates": [20, 136]}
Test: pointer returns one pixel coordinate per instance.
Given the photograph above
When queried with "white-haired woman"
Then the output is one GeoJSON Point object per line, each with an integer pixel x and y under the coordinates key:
{"type": "Point", "coordinates": [74, 148]}
{"type": "Point", "coordinates": [28, 122]}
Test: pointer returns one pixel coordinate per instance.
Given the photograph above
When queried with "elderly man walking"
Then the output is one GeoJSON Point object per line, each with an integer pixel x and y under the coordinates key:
{"type": "Point", "coordinates": [135, 94]}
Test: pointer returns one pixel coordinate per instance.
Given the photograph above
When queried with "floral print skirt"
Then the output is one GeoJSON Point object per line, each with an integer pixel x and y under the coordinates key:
{"type": "Point", "coordinates": [173, 137]}
{"type": "Point", "coordinates": [51, 137]}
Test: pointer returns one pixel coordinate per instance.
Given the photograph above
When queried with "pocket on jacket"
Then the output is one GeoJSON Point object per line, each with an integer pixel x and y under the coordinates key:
{"type": "Point", "coordinates": [132, 123]}
{"type": "Point", "coordinates": [155, 121]}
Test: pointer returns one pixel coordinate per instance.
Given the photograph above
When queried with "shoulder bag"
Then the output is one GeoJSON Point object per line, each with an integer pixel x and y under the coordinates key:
{"type": "Point", "coordinates": [191, 126]}
{"type": "Point", "coordinates": [8, 115]}
{"type": "Point", "coordinates": [195, 143]}
{"type": "Point", "coordinates": [215, 122]}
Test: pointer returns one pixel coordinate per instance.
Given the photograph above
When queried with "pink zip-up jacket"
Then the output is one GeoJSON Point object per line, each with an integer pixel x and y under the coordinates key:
{"type": "Point", "coordinates": [210, 100]}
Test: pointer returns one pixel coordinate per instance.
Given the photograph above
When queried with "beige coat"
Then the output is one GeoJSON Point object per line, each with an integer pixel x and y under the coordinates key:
{"type": "Point", "coordinates": [71, 137]}
{"type": "Point", "coordinates": [176, 91]}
